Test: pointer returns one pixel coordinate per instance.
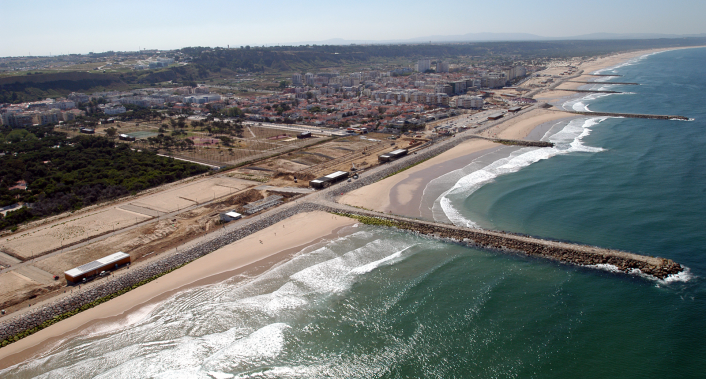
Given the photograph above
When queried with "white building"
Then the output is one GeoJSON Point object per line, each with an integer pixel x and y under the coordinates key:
{"type": "Point", "coordinates": [309, 78]}
{"type": "Point", "coordinates": [111, 109]}
{"type": "Point", "coordinates": [296, 79]}
{"type": "Point", "coordinates": [423, 65]}
{"type": "Point", "coordinates": [475, 102]}
{"type": "Point", "coordinates": [202, 99]}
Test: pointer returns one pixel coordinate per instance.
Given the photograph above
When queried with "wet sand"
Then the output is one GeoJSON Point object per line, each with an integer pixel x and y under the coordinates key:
{"type": "Point", "coordinates": [402, 194]}
{"type": "Point", "coordinates": [249, 255]}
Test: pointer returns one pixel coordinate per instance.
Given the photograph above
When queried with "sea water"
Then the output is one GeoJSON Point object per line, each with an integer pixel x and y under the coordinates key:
{"type": "Point", "coordinates": [377, 302]}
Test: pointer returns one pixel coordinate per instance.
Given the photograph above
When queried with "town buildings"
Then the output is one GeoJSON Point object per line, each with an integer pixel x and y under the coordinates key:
{"type": "Point", "coordinates": [423, 65]}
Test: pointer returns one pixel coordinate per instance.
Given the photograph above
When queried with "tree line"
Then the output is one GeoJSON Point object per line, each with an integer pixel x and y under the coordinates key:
{"type": "Point", "coordinates": [64, 174]}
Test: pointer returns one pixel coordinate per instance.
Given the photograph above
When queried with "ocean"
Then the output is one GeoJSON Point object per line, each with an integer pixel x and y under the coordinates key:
{"type": "Point", "coordinates": [379, 303]}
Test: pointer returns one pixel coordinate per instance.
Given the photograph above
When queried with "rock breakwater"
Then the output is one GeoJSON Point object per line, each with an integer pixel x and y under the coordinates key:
{"type": "Point", "coordinates": [559, 251]}
{"type": "Point", "coordinates": [632, 115]}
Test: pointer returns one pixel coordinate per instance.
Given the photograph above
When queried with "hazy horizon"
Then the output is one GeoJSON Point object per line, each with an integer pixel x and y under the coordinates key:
{"type": "Point", "coordinates": [43, 28]}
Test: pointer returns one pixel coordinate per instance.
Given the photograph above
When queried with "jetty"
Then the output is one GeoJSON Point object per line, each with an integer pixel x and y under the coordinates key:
{"type": "Point", "coordinates": [621, 83]}
{"type": "Point", "coordinates": [631, 115]}
{"type": "Point", "coordinates": [516, 142]}
{"type": "Point", "coordinates": [564, 252]}
{"type": "Point", "coordinates": [586, 90]}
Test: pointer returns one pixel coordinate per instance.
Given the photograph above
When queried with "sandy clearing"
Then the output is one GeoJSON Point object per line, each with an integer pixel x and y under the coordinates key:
{"type": "Point", "coordinates": [194, 193]}
{"type": "Point", "coordinates": [67, 231]}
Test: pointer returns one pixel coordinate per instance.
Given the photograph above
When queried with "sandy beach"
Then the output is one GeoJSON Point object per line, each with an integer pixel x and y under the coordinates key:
{"type": "Point", "coordinates": [592, 66]}
{"type": "Point", "coordinates": [254, 253]}
{"type": "Point", "coordinates": [401, 194]}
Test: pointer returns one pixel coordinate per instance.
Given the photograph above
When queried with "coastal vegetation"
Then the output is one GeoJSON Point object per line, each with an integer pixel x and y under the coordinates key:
{"type": "Point", "coordinates": [53, 174]}
{"type": "Point", "coordinates": [368, 220]}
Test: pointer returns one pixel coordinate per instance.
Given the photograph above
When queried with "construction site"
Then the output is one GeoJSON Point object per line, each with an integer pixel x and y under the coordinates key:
{"type": "Point", "coordinates": [275, 167]}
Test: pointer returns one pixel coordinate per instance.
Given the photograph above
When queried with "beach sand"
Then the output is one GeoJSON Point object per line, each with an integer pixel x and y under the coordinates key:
{"type": "Point", "coordinates": [254, 253]}
{"type": "Point", "coordinates": [402, 193]}
{"type": "Point", "coordinates": [592, 66]}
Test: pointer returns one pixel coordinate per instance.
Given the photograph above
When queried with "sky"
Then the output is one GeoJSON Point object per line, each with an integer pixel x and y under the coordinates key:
{"type": "Point", "coordinates": [41, 27]}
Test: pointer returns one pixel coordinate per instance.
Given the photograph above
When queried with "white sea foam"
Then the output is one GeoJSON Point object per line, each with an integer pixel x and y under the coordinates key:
{"type": "Point", "coordinates": [396, 257]}
{"type": "Point", "coordinates": [568, 140]}
{"type": "Point", "coordinates": [214, 330]}
{"type": "Point", "coordinates": [264, 344]}
{"type": "Point", "coordinates": [605, 267]}
{"type": "Point", "coordinates": [683, 277]}
{"type": "Point", "coordinates": [130, 319]}
{"type": "Point", "coordinates": [625, 64]}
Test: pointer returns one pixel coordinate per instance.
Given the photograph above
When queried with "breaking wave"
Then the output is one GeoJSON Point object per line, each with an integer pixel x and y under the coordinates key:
{"type": "Point", "coordinates": [568, 140]}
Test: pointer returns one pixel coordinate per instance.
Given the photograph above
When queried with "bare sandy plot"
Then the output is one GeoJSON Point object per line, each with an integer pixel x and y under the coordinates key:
{"type": "Point", "coordinates": [192, 194]}
{"type": "Point", "coordinates": [53, 236]}
{"type": "Point", "coordinates": [14, 284]}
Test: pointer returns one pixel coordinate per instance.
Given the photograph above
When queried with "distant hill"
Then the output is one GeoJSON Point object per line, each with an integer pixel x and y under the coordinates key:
{"type": "Point", "coordinates": [498, 37]}
{"type": "Point", "coordinates": [38, 86]}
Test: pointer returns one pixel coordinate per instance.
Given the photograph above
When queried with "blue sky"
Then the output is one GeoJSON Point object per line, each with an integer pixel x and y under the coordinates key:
{"type": "Point", "coordinates": [40, 27]}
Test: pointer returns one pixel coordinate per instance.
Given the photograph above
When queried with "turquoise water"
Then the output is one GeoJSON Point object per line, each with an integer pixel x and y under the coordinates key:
{"type": "Point", "coordinates": [377, 303]}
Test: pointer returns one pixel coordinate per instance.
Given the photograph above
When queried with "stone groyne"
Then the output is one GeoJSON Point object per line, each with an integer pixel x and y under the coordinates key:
{"type": "Point", "coordinates": [564, 252]}
{"type": "Point", "coordinates": [586, 90]}
{"type": "Point", "coordinates": [518, 142]}
{"type": "Point", "coordinates": [621, 83]}
{"type": "Point", "coordinates": [631, 115]}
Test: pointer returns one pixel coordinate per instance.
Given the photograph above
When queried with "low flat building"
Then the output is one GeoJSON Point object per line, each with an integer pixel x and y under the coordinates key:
{"type": "Point", "coordinates": [230, 216]}
{"type": "Point", "coordinates": [91, 269]}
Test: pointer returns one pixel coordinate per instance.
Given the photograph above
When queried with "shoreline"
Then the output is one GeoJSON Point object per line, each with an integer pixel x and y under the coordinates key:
{"type": "Point", "coordinates": [402, 192]}
{"type": "Point", "coordinates": [306, 229]}
{"type": "Point", "coordinates": [405, 193]}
